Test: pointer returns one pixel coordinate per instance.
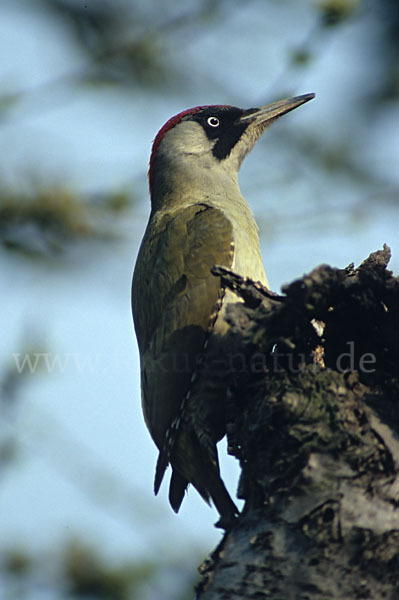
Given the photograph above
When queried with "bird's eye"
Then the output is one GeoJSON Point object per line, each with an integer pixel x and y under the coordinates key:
{"type": "Point", "coordinates": [213, 121]}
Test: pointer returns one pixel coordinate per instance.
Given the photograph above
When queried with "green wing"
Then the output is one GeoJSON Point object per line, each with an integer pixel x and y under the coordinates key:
{"type": "Point", "coordinates": [173, 296]}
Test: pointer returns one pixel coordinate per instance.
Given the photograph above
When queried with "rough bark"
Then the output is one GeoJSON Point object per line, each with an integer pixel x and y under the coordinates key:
{"type": "Point", "coordinates": [313, 419]}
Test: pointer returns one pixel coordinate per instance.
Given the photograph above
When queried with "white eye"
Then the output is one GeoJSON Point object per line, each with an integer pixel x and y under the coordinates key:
{"type": "Point", "coordinates": [213, 121]}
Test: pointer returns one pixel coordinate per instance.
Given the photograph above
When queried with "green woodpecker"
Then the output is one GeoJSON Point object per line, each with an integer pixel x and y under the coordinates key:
{"type": "Point", "coordinates": [198, 219]}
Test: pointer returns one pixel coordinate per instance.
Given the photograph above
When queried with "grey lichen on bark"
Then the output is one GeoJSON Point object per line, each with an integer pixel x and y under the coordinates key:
{"type": "Point", "coordinates": [313, 419]}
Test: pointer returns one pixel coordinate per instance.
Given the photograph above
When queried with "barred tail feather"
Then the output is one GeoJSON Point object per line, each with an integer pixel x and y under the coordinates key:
{"type": "Point", "coordinates": [177, 488]}
{"type": "Point", "coordinates": [162, 463]}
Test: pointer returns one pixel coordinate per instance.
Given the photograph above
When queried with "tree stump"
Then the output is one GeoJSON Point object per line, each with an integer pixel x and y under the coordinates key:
{"type": "Point", "coordinates": [313, 419]}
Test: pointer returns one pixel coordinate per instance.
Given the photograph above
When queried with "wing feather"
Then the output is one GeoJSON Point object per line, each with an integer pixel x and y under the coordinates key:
{"type": "Point", "coordinates": [173, 296]}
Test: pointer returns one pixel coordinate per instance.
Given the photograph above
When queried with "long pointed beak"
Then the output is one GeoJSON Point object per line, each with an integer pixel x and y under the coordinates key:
{"type": "Point", "coordinates": [272, 111]}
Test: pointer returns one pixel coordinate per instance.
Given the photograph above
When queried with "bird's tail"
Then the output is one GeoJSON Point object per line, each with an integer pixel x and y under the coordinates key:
{"type": "Point", "coordinates": [160, 469]}
{"type": "Point", "coordinates": [193, 464]}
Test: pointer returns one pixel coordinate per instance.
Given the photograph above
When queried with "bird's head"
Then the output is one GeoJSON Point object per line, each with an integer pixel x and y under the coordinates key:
{"type": "Point", "coordinates": [214, 137]}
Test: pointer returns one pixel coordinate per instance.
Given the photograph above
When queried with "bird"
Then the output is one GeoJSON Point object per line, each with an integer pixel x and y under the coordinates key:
{"type": "Point", "coordinates": [198, 219]}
